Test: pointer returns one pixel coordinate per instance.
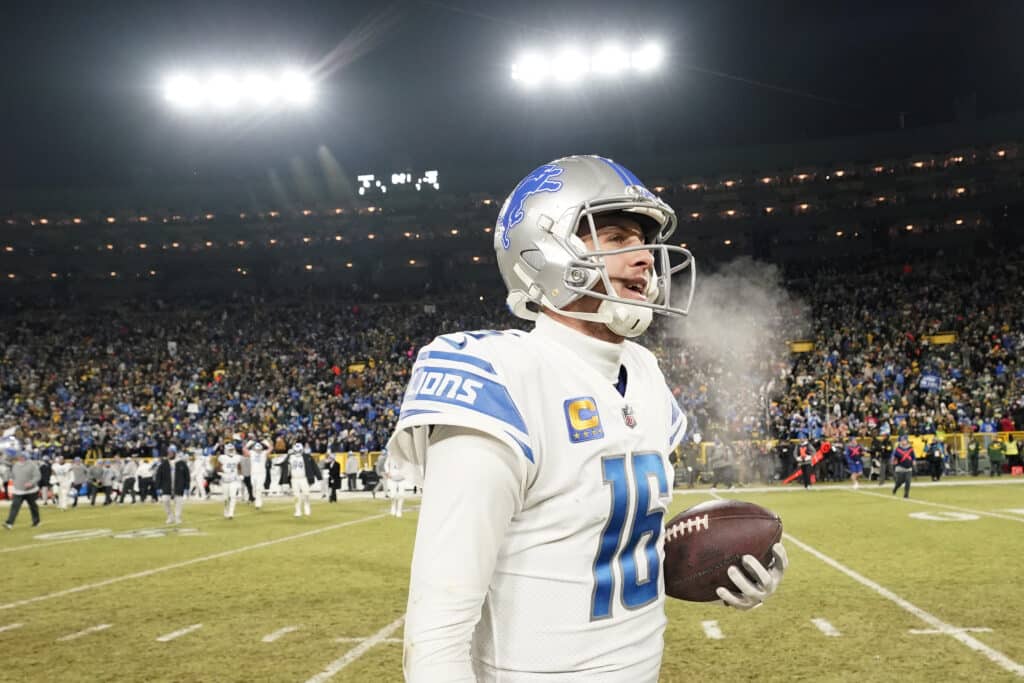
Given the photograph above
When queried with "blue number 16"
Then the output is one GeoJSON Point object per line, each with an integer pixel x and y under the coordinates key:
{"type": "Point", "coordinates": [626, 493]}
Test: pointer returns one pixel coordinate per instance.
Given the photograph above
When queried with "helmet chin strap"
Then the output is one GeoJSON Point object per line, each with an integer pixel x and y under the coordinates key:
{"type": "Point", "coordinates": [621, 318]}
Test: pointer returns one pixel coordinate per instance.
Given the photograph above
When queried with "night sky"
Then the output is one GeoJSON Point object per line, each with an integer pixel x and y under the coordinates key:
{"type": "Point", "coordinates": [426, 84]}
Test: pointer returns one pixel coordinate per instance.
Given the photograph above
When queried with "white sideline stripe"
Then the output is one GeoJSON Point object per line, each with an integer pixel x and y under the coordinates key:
{"type": "Point", "coordinates": [357, 652]}
{"type": "Point", "coordinates": [711, 630]}
{"type": "Point", "coordinates": [928, 618]}
{"type": "Point", "coordinates": [825, 627]}
{"type": "Point", "coordinates": [10, 627]}
{"type": "Point", "coordinates": [948, 507]}
{"type": "Point", "coordinates": [271, 637]}
{"type": "Point", "coordinates": [359, 640]}
{"type": "Point", "coordinates": [934, 632]}
{"type": "Point", "coordinates": [91, 629]}
{"type": "Point", "coordinates": [186, 563]}
{"type": "Point", "coordinates": [178, 633]}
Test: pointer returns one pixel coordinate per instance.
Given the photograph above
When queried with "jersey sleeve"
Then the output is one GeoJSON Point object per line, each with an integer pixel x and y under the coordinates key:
{"type": "Point", "coordinates": [458, 380]}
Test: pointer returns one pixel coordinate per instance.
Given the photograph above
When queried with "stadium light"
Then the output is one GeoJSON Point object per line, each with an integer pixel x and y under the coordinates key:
{"type": "Point", "coordinates": [224, 91]}
{"type": "Point", "coordinates": [296, 88]}
{"type": "Point", "coordinates": [530, 69]}
{"type": "Point", "coordinates": [610, 60]}
{"type": "Point", "coordinates": [570, 65]}
{"type": "Point", "coordinates": [647, 58]}
{"type": "Point", "coordinates": [183, 92]}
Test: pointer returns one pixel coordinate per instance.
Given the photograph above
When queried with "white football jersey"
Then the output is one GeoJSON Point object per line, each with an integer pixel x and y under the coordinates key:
{"type": "Point", "coordinates": [62, 472]}
{"type": "Point", "coordinates": [229, 466]}
{"type": "Point", "coordinates": [578, 584]}
{"type": "Point", "coordinates": [257, 454]}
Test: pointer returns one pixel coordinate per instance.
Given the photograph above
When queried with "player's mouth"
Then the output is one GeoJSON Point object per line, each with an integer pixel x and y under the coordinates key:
{"type": "Point", "coordinates": [634, 288]}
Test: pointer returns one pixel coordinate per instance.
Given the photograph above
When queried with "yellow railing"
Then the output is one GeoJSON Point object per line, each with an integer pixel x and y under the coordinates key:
{"type": "Point", "coordinates": [955, 442]}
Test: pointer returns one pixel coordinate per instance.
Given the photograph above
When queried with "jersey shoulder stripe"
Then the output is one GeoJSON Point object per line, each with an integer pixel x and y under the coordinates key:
{"type": "Point", "coordinates": [457, 380]}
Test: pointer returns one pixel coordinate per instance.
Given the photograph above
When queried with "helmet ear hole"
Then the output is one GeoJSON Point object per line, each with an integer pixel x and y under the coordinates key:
{"type": "Point", "coordinates": [533, 258]}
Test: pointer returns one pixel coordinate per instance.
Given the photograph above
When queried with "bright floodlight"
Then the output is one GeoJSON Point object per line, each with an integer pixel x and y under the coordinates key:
{"type": "Point", "coordinates": [182, 91]}
{"type": "Point", "coordinates": [610, 60]}
{"type": "Point", "coordinates": [222, 91]}
{"type": "Point", "coordinates": [225, 91]}
{"type": "Point", "coordinates": [569, 66]}
{"type": "Point", "coordinates": [530, 69]}
{"type": "Point", "coordinates": [258, 89]}
{"type": "Point", "coordinates": [648, 58]}
{"type": "Point", "coordinates": [296, 88]}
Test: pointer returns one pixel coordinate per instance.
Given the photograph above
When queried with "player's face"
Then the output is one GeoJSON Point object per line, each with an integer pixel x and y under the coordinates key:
{"type": "Point", "coordinates": [630, 272]}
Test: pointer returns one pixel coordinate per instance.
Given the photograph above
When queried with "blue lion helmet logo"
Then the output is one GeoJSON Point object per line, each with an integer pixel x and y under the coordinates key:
{"type": "Point", "coordinates": [540, 180]}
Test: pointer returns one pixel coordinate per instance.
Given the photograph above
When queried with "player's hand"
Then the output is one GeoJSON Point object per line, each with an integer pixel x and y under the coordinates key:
{"type": "Point", "coordinates": [751, 594]}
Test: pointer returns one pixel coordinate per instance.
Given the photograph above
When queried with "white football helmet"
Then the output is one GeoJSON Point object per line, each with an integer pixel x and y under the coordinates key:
{"type": "Point", "coordinates": [546, 265]}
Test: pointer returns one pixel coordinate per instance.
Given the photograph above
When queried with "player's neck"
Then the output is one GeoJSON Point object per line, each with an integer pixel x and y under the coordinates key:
{"type": "Point", "coordinates": [605, 357]}
{"type": "Point", "coordinates": [591, 329]}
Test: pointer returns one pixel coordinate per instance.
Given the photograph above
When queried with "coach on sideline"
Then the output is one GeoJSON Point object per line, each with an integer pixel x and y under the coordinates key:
{"type": "Point", "coordinates": [25, 474]}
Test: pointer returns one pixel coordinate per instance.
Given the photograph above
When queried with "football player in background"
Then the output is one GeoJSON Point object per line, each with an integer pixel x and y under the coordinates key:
{"type": "Point", "coordinates": [257, 450]}
{"type": "Point", "coordinates": [62, 477]}
{"type": "Point", "coordinates": [395, 485]}
{"type": "Point", "coordinates": [229, 464]}
{"type": "Point", "coordinates": [565, 432]}
{"type": "Point", "coordinates": [304, 471]}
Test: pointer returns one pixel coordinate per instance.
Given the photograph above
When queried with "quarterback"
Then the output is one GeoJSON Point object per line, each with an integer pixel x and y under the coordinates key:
{"type": "Point", "coordinates": [548, 568]}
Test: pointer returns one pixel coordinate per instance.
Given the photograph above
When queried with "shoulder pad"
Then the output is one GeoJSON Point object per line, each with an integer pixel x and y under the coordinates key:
{"type": "Point", "coordinates": [458, 379]}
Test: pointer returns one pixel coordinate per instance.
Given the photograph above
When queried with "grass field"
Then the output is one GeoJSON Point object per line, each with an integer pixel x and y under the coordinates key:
{"type": "Point", "coordinates": [892, 593]}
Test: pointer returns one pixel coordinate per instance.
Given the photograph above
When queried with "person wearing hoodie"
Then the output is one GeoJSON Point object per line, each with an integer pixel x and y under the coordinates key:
{"type": "Point", "coordinates": [25, 488]}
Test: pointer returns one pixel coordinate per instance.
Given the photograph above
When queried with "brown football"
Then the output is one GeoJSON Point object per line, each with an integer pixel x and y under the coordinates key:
{"type": "Point", "coordinates": [701, 543]}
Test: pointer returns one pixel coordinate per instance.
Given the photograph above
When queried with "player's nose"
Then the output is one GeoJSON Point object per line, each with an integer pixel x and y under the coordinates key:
{"type": "Point", "coordinates": [643, 258]}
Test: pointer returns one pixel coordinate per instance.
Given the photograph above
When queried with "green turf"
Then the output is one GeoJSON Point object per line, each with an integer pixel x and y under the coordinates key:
{"type": "Point", "coordinates": [348, 579]}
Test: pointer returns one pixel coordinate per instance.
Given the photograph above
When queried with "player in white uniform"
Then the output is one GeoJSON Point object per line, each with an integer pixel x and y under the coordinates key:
{"type": "Point", "coordinates": [62, 478]}
{"type": "Point", "coordinates": [551, 562]}
{"type": "Point", "coordinates": [257, 450]}
{"type": "Point", "coordinates": [197, 474]}
{"type": "Point", "coordinates": [395, 485]}
{"type": "Point", "coordinates": [300, 483]}
{"type": "Point", "coordinates": [229, 464]}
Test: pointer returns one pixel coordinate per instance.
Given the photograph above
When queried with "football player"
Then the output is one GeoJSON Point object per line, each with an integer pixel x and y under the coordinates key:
{"type": "Point", "coordinates": [551, 568]}
{"type": "Point", "coordinates": [395, 485]}
{"type": "Point", "coordinates": [257, 450]}
{"type": "Point", "coordinates": [303, 472]}
{"type": "Point", "coordinates": [229, 464]}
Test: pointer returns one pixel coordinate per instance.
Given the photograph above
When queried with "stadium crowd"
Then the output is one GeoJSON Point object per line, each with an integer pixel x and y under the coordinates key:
{"type": "Point", "coordinates": [130, 378]}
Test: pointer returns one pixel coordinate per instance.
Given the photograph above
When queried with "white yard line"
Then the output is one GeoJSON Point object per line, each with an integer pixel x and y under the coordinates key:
{"type": "Point", "coordinates": [186, 563]}
{"type": "Point", "coordinates": [711, 630]}
{"type": "Point", "coordinates": [10, 627]}
{"type": "Point", "coordinates": [928, 618]}
{"type": "Point", "coordinates": [271, 637]}
{"type": "Point", "coordinates": [357, 652]}
{"type": "Point", "coordinates": [825, 627]}
{"type": "Point", "coordinates": [177, 634]}
{"type": "Point", "coordinates": [916, 501]}
{"type": "Point", "coordinates": [936, 632]}
{"type": "Point", "coordinates": [18, 548]}
{"type": "Point", "coordinates": [84, 632]}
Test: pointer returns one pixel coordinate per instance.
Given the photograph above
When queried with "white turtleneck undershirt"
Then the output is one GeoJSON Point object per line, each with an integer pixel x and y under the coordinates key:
{"type": "Point", "coordinates": [473, 485]}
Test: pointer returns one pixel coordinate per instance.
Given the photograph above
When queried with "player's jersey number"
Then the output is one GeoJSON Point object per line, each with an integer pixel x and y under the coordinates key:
{"type": "Point", "coordinates": [629, 493]}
